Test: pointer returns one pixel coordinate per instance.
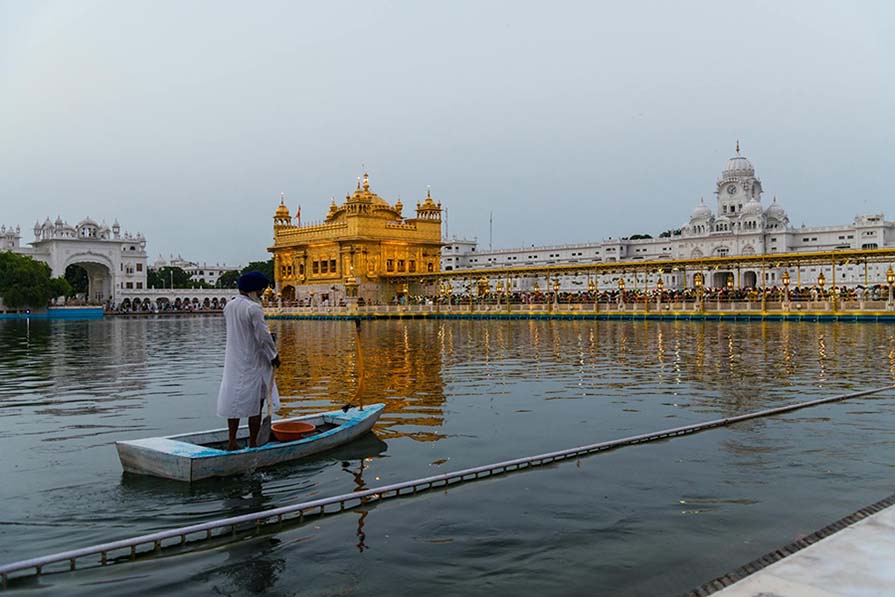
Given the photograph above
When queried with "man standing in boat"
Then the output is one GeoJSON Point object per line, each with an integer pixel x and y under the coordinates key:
{"type": "Point", "coordinates": [249, 361]}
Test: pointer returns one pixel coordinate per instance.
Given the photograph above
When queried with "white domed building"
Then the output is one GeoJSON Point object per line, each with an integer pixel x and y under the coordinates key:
{"type": "Point", "coordinates": [740, 225]}
{"type": "Point", "coordinates": [115, 262]}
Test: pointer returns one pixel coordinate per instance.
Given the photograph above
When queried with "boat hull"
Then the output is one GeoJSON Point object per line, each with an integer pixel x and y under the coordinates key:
{"type": "Point", "coordinates": [188, 457]}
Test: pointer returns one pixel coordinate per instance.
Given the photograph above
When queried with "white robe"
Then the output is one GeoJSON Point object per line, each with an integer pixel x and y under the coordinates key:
{"type": "Point", "coordinates": [247, 368]}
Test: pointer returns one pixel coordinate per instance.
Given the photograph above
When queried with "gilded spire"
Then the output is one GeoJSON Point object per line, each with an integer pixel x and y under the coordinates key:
{"type": "Point", "coordinates": [358, 183]}
{"type": "Point", "coordinates": [366, 181]}
{"type": "Point", "coordinates": [738, 147]}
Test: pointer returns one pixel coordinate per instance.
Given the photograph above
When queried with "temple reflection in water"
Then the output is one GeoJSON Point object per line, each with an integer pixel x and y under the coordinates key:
{"type": "Point", "coordinates": [409, 364]}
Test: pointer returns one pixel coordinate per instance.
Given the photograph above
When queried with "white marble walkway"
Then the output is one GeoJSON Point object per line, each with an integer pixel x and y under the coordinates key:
{"type": "Point", "coordinates": [856, 561]}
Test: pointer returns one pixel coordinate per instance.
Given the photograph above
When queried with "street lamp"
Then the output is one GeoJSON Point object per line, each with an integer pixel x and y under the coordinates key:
{"type": "Point", "coordinates": [555, 293]}
{"type": "Point", "coordinates": [697, 282]}
{"type": "Point", "coordinates": [498, 288]}
{"type": "Point", "coordinates": [660, 286]}
{"type": "Point", "coordinates": [621, 292]}
{"type": "Point", "coordinates": [890, 280]}
{"type": "Point", "coordinates": [730, 296]}
{"type": "Point", "coordinates": [821, 280]}
{"type": "Point", "coordinates": [785, 280]}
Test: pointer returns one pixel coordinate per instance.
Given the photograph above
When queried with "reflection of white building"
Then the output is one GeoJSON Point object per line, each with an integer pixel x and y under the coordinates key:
{"type": "Point", "coordinates": [198, 272]}
{"type": "Point", "coordinates": [740, 225]}
{"type": "Point", "coordinates": [114, 261]}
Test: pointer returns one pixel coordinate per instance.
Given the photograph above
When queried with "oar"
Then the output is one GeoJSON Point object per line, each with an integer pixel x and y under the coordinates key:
{"type": "Point", "coordinates": [359, 392]}
{"type": "Point", "coordinates": [264, 431]}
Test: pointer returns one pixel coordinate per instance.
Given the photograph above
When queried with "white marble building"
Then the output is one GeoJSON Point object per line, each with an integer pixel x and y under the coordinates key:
{"type": "Point", "coordinates": [198, 272]}
{"type": "Point", "coordinates": [740, 225]}
{"type": "Point", "coordinates": [115, 261]}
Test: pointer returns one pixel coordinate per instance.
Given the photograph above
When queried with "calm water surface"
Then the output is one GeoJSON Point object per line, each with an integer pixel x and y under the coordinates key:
{"type": "Point", "coordinates": [654, 519]}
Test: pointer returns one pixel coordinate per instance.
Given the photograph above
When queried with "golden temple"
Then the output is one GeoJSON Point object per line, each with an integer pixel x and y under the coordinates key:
{"type": "Point", "coordinates": [357, 252]}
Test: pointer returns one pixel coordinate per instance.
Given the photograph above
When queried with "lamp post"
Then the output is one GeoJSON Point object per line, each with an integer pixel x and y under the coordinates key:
{"type": "Point", "coordinates": [621, 293]}
{"type": "Point", "coordinates": [660, 286]}
{"type": "Point", "coordinates": [592, 289]}
{"type": "Point", "coordinates": [820, 284]}
{"type": "Point", "coordinates": [785, 280]}
{"type": "Point", "coordinates": [697, 282]}
{"type": "Point", "coordinates": [890, 280]}
{"type": "Point", "coordinates": [730, 289]}
{"type": "Point", "coordinates": [556, 293]}
{"type": "Point", "coordinates": [311, 298]}
{"type": "Point", "coordinates": [499, 289]}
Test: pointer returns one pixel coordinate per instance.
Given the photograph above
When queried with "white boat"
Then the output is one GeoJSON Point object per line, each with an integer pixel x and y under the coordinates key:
{"type": "Point", "coordinates": [200, 455]}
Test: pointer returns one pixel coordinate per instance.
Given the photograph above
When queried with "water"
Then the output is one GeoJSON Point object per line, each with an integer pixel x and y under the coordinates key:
{"type": "Point", "coordinates": [654, 519]}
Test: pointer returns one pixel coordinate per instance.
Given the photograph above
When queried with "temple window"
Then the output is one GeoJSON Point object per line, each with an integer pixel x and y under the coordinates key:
{"type": "Point", "coordinates": [389, 265]}
{"type": "Point", "coordinates": [139, 267]}
{"type": "Point", "coordinates": [332, 265]}
{"type": "Point", "coordinates": [301, 269]}
{"type": "Point", "coordinates": [400, 265]}
{"type": "Point", "coordinates": [315, 267]}
{"type": "Point", "coordinates": [411, 266]}
{"type": "Point", "coordinates": [324, 266]}
{"type": "Point", "coordinates": [430, 267]}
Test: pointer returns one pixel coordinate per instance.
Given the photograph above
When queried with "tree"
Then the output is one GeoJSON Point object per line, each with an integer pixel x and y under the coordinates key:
{"type": "Point", "coordinates": [228, 279]}
{"type": "Point", "coordinates": [77, 278]}
{"type": "Point", "coordinates": [164, 276]}
{"type": "Point", "coordinates": [265, 267]}
{"type": "Point", "coordinates": [640, 236]}
{"type": "Point", "coordinates": [25, 282]}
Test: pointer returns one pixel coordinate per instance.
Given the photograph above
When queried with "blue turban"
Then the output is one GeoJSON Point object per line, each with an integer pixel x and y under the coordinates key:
{"type": "Point", "coordinates": [252, 282]}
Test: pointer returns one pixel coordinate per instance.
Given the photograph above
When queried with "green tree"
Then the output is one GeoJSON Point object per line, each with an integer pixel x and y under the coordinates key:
{"type": "Point", "coordinates": [77, 278]}
{"type": "Point", "coordinates": [265, 267]}
{"type": "Point", "coordinates": [228, 279]}
{"type": "Point", "coordinates": [164, 276]}
{"type": "Point", "coordinates": [25, 282]}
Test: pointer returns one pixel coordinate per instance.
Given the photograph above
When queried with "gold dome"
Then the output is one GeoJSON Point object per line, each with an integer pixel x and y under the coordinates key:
{"type": "Point", "coordinates": [282, 210]}
{"type": "Point", "coordinates": [365, 195]}
{"type": "Point", "coordinates": [428, 203]}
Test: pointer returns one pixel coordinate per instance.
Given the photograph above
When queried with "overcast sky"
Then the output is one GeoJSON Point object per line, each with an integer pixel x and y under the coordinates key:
{"type": "Point", "coordinates": [569, 121]}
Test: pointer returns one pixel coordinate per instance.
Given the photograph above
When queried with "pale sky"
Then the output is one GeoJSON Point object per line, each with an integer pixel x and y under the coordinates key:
{"type": "Point", "coordinates": [570, 121]}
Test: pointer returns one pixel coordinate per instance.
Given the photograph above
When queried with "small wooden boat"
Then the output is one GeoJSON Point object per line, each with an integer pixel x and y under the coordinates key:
{"type": "Point", "coordinates": [194, 456]}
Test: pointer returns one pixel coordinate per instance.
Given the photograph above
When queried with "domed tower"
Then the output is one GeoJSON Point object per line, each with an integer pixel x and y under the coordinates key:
{"type": "Point", "coordinates": [776, 216]}
{"type": "Point", "coordinates": [282, 218]}
{"type": "Point", "coordinates": [737, 185]}
{"type": "Point", "coordinates": [700, 220]}
{"type": "Point", "coordinates": [428, 210]}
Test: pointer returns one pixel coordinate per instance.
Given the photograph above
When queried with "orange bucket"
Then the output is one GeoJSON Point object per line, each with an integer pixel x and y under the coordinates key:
{"type": "Point", "coordinates": [289, 431]}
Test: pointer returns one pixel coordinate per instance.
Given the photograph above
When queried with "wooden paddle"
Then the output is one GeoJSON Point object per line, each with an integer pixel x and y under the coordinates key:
{"type": "Point", "coordinates": [264, 431]}
{"type": "Point", "coordinates": [359, 392]}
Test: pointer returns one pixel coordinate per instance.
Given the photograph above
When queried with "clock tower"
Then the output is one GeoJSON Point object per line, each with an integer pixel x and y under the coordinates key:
{"type": "Point", "coordinates": [737, 186]}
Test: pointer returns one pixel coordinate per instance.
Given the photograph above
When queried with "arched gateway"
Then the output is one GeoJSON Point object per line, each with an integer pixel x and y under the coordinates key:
{"type": "Point", "coordinates": [115, 261]}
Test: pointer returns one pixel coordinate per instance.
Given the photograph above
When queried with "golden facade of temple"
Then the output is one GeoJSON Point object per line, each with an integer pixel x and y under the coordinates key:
{"type": "Point", "coordinates": [363, 244]}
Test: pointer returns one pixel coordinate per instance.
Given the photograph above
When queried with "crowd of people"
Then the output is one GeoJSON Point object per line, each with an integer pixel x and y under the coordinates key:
{"type": "Point", "coordinates": [687, 295]}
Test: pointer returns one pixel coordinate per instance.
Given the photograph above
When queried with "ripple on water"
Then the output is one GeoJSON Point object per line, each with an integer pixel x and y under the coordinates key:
{"type": "Point", "coordinates": [457, 394]}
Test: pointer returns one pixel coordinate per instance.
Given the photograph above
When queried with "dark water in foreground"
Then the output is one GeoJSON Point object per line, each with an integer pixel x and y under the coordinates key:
{"type": "Point", "coordinates": [654, 519]}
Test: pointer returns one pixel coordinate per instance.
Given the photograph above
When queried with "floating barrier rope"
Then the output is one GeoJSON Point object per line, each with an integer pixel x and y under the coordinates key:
{"type": "Point", "coordinates": [127, 549]}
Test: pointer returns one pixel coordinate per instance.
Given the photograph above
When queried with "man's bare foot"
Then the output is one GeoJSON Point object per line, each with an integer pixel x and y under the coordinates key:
{"type": "Point", "coordinates": [232, 446]}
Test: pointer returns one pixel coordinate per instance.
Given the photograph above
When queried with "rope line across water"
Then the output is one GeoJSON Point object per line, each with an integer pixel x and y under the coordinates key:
{"type": "Point", "coordinates": [352, 500]}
